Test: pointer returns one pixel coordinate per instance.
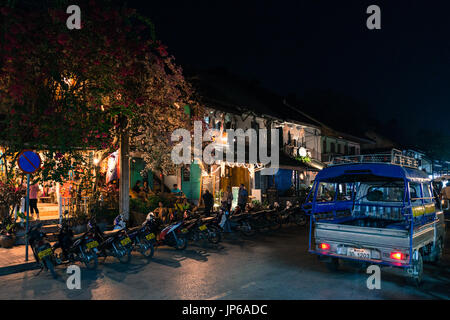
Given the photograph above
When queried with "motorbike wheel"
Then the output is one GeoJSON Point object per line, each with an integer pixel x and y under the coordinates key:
{"type": "Point", "coordinates": [181, 243]}
{"type": "Point", "coordinates": [246, 229]}
{"type": "Point", "coordinates": [275, 223]}
{"type": "Point", "coordinates": [148, 253]}
{"type": "Point", "coordinates": [125, 258]}
{"type": "Point", "coordinates": [300, 219]}
{"type": "Point", "coordinates": [50, 267]}
{"type": "Point", "coordinates": [93, 262]}
{"type": "Point", "coordinates": [214, 235]}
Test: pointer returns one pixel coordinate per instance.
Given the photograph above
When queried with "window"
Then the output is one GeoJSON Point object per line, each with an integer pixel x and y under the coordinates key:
{"type": "Point", "coordinates": [427, 193]}
{"type": "Point", "coordinates": [344, 191]}
{"type": "Point", "coordinates": [352, 151]}
{"type": "Point", "coordinates": [324, 147]}
{"type": "Point", "coordinates": [332, 148]}
{"type": "Point", "coordinates": [386, 193]}
{"type": "Point", "coordinates": [326, 192]}
{"type": "Point", "coordinates": [415, 194]}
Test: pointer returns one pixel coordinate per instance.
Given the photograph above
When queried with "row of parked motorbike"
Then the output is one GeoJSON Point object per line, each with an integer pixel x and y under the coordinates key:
{"type": "Point", "coordinates": [121, 241]}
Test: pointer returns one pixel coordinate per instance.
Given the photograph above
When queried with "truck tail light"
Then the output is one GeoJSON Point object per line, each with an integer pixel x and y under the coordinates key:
{"type": "Point", "coordinates": [324, 246]}
{"type": "Point", "coordinates": [397, 256]}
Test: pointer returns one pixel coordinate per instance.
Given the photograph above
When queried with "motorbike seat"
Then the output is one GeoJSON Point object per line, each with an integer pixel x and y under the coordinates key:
{"type": "Point", "coordinates": [77, 236]}
{"type": "Point", "coordinates": [134, 229]}
{"type": "Point", "coordinates": [206, 219]}
{"type": "Point", "coordinates": [111, 233]}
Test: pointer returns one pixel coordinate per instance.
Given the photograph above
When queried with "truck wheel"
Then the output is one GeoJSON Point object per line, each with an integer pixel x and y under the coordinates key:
{"type": "Point", "coordinates": [333, 265]}
{"type": "Point", "coordinates": [438, 252]}
{"type": "Point", "coordinates": [416, 270]}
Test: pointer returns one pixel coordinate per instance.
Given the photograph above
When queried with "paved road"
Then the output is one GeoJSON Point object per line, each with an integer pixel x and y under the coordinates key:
{"type": "Point", "coordinates": [271, 266]}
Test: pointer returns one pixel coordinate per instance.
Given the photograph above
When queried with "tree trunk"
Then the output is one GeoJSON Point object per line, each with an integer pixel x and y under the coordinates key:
{"type": "Point", "coordinates": [124, 180]}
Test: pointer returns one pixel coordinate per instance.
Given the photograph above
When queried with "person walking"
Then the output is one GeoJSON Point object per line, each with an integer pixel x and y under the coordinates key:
{"type": "Point", "coordinates": [242, 197]}
{"type": "Point", "coordinates": [209, 202]}
{"type": "Point", "coordinates": [34, 190]}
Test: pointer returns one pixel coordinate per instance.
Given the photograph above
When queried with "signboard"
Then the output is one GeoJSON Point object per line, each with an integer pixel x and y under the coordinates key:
{"type": "Point", "coordinates": [29, 161]}
{"type": "Point", "coordinates": [187, 173]}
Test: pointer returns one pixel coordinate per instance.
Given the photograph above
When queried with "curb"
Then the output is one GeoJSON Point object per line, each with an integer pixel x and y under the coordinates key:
{"type": "Point", "coordinates": [18, 268]}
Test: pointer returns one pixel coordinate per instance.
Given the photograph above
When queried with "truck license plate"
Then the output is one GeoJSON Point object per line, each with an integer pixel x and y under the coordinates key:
{"type": "Point", "coordinates": [358, 253]}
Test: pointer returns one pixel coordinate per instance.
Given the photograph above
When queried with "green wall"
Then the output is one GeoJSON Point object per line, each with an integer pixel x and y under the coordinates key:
{"type": "Point", "coordinates": [191, 188]}
{"type": "Point", "coordinates": [136, 166]}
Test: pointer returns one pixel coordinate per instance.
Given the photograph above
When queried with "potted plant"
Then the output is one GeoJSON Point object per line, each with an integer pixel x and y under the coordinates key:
{"type": "Point", "coordinates": [10, 197]}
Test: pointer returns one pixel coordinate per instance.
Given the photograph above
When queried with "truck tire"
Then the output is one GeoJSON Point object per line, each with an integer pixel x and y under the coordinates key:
{"type": "Point", "coordinates": [333, 265]}
{"type": "Point", "coordinates": [438, 251]}
{"type": "Point", "coordinates": [416, 278]}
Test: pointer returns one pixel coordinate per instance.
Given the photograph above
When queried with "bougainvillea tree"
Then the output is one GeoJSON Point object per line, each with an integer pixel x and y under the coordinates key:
{"type": "Point", "coordinates": [64, 91]}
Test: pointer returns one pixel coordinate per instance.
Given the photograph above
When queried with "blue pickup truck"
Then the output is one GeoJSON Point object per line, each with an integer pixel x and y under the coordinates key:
{"type": "Point", "coordinates": [375, 209]}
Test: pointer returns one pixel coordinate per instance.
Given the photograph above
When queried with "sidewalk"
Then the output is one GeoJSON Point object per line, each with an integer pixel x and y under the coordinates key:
{"type": "Point", "coordinates": [13, 260]}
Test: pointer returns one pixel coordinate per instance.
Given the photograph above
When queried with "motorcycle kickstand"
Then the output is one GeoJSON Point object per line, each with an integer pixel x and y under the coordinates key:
{"type": "Point", "coordinates": [39, 272]}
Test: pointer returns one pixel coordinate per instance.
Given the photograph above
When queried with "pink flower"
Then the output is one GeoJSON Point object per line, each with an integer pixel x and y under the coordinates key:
{"type": "Point", "coordinates": [162, 50]}
{"type": "Point", "coordinates": [62, 38]}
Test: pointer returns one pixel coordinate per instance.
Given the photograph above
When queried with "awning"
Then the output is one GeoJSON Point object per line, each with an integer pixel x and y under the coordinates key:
{"type": "Point", "coordinates": [289, 163]}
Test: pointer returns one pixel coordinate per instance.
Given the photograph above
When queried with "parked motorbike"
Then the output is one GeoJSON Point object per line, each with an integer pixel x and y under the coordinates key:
{"type": "Point", "coordinates": [70, 249]}
{"type": "Point", "coordinates": [42, 249]}
{"type": "Point", "coordinates": [291, 214]}
{"type": "Point", "coordinates": [114, 243]}
{"type": "Point", "coordinates": [201, 228]}
{"type": "Point", "coordinates": [237, 221]}
{"type": "Point", "coordinates": [170, 235]}
{"type": "Point", "coordinates": [264, 220]}
{"type": "Point", "coordinates": [143, 239]}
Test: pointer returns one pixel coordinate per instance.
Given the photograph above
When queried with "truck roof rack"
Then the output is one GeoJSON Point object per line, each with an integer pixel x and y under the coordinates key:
{"type": "Point", "coordinates": [394, 157]}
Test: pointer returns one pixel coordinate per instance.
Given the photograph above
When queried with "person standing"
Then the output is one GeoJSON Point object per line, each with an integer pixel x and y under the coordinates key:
{"type": "Point", "coordinates": [162, 213]}
{"type": "Point", "coordinates": [445, 195]}
{"type": "Point", "coordinates": [243, 197]}
{"type": "Point", "coordinates": [227, 199]}
{"type": "Point", "coordinates": [34, 190]}
{"type": "Point", "coordinates": [209, 202]}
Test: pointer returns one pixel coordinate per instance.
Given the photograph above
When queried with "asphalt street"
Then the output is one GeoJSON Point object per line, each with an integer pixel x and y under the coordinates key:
{"type": "Point", "coordinates": [275, 265]}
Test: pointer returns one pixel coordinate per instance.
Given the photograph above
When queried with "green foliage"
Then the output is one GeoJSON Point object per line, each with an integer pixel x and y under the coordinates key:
{"type": "Point", "coordinates": [145, 206]}
{"type": "Point", "coordinates": [303, 159]}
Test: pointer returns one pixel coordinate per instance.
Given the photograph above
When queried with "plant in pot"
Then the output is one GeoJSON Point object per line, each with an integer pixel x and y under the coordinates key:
{"type": "Point", "coordinates": [10, 197]}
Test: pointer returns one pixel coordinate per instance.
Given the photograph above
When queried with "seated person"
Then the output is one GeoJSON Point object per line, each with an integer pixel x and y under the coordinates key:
{"type": "Point", "coordinates": [161, 212]}
{"type": "Point", "coordinates": [146, 190]}
{"type": "Point", "coordinates": [137, 187]}
{"type": "Point", "coordinates": [175, 191]}
{"type": "Point", "coordinates": [181, 206]}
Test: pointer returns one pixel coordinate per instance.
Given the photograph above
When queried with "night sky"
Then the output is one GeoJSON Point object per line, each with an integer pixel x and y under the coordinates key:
{"type": "Point", "coordinates": [310, 47]}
